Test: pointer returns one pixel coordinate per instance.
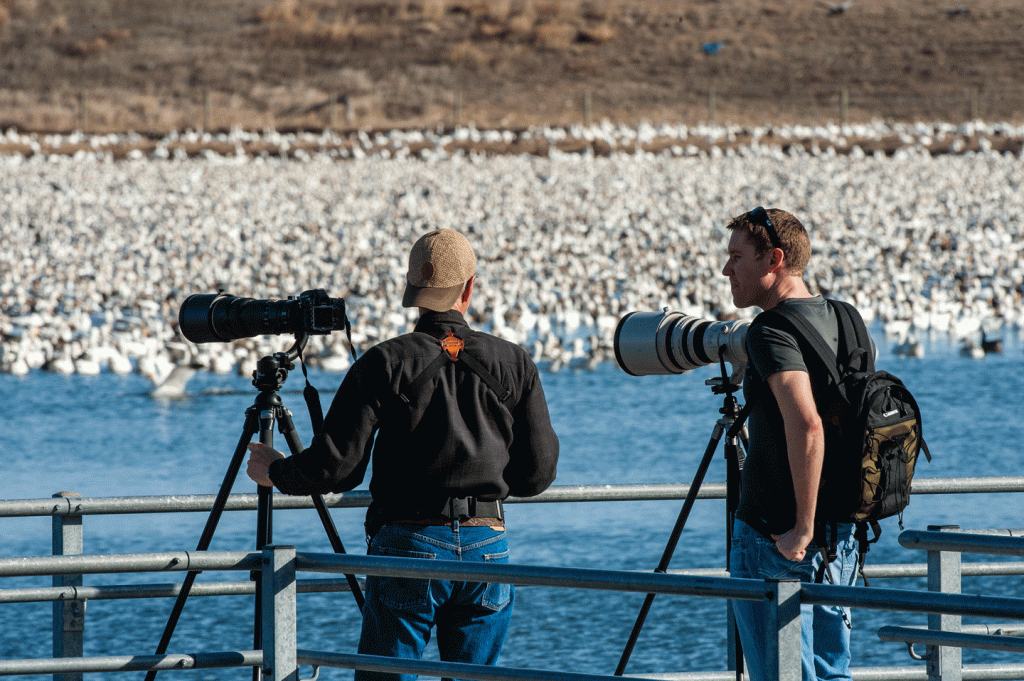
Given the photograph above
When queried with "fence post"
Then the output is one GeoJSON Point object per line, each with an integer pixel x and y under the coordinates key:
{"type": "Point", "coordinates": [782, 631]}
{"type": "Point", "coordinates": [206, 110]}
{"type": "Point", "coordinates": [944, 662]}
{"type": "Point", "coordinates": [82, 113]}
{"type": "Point", "coordinates": [68, 616]}
{"type": "Point", "coordinates": [278, 614]}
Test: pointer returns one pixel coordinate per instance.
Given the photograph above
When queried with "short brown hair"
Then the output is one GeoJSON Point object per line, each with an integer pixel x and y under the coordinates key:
{"type": "Point", "coordinates": [792, 237]}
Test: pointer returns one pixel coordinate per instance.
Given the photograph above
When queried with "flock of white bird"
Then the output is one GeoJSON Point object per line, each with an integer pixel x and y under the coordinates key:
{"type": "Point", "coordinates": [97, 254]}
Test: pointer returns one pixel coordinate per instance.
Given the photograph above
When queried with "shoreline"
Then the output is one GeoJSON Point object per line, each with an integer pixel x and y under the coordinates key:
{"type": "Point", "coordinates": [603, 139]}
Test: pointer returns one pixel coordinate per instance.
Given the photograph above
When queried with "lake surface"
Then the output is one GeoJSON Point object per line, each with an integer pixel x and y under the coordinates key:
{"type": "Point", "coordinates": [105, 436]}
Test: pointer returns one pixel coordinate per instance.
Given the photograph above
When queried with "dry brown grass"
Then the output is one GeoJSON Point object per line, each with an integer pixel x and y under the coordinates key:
{"type": "Point", "coordinates": [140, 64]}
{"type": "Point", "coordinates": [555, 35]}
{"type": "Point", "coordinates": [550, 24]}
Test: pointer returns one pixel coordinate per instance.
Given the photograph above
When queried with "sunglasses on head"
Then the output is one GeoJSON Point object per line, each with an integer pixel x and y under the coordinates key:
{"type": "Point", "coordinates": [759, 216]}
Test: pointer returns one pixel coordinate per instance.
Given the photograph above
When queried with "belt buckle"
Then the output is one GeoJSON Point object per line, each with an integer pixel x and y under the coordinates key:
{"type": "Point", "coordinates": [460, 508]}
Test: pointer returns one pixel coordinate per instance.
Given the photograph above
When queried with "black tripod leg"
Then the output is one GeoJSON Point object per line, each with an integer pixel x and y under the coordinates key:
{"type": "Point", "coordinates": [264, 528]}
{"type": "Point", "coordinates": [204, 541]}
{"type": "Point", "coordinates": [287, 428]}
{"type": "Point", "coordinates": [734, 469]}
{"type": "Point", "coordinates": [670, 548]}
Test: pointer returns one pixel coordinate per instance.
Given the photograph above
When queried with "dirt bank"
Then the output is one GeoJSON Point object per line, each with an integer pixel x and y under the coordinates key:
{"type": "Point", "coordinates": [159, 65]}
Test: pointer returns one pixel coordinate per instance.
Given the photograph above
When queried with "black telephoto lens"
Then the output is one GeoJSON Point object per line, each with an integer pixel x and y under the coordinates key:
{"type": "Point", "coordinates": [210, 318]}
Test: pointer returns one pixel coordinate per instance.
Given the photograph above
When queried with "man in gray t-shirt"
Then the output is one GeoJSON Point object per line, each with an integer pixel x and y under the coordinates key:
{"type": "Point", "coordinates": [767, 500]}
{"type": "Point", "coordinates": [773, 533]}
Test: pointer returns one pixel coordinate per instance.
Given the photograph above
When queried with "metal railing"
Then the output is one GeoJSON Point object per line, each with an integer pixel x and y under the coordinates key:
{"type": "Point", "coordinates": [280, 658]}
{"type": "Point", "coordinates": [943, 570]}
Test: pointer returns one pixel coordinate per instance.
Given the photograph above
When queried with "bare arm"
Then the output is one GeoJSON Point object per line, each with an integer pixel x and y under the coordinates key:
{"type": "Point", "coordinates": [805, 446]}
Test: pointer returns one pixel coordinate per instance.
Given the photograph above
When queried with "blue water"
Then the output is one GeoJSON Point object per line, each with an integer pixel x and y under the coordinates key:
{"type": "Point", "coordinates": [104, 436]}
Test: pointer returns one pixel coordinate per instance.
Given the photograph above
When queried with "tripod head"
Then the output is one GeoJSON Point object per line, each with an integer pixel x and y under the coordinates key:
{"type": "Point", "coordinates": [727, 385]}
{"type": "Point", "coordinates": [272, 371]}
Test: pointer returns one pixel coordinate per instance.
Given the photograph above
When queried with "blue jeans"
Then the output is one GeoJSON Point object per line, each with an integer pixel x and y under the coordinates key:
{"type": "Point", "coordinates": [826, 630]}
{"type": "Point", "coordinates": [472, 618]}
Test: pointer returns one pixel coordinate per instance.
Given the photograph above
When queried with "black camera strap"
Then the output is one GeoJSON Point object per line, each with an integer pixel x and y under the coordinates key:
{"type": "Point", "coordinates": [453, 350]}
{"type": "Point", "coordinates": [312, 397]}
{"type": "Point", "coordinates": [310, 393]}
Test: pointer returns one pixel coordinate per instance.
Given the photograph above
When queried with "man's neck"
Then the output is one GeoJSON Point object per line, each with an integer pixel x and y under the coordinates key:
{"type": "Point", "coordinates": [785, 288]}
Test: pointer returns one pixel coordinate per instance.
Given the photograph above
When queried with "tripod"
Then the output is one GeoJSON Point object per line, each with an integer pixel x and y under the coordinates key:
{"type": "Point", "coordinates": [734, 464]}
{"type": "Point", "coordinates": [269, 376]}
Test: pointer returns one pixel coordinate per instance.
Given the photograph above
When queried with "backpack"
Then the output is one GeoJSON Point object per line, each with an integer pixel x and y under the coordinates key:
{"type": "Point", "coordinates": [872, 432]}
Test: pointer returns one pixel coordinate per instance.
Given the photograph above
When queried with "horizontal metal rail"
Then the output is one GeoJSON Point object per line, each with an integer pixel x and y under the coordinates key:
{"type": "Point", "coordinates": [473, 672]}
{"type": "Point", "coordinates": [243, 588]}
{"type": "Point", "coordinates": [893, 570]}
{"type": "Point", "coordinates": [963, 542]}
{"type": "Point", "coordinates": [533, 575]}
{"type": "Point", "coordinates": [131, 591]}
{"type": "Point", "coordinates": [1001, 672]}
{"type": "Point", "coordinates": [168, 561]}
{"type": "Point", "coordinates": [201, 503]}
{"type": "Point", "coordinates": [933, 602]}
{"type": "Point", "coordinates": [989, 629]}
{"type": "Point", "coordinates": [132, 663]}
{"type": "Point", "coordinates": [521, 575]}
{"type": "Point", "coordinates": [645, 582]}
{"type": "Point", "coordinates": [1009, 644]}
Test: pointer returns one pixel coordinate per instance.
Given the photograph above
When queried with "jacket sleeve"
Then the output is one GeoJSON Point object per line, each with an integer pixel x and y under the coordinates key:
{"type": "Point", "coordinates": [337, 459]}
{"type": "Point", "coordinates": [533, 456]}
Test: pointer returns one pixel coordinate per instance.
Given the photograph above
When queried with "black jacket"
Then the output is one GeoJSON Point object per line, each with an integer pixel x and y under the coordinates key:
{"type": "Point", "coordinates": [453, 439]}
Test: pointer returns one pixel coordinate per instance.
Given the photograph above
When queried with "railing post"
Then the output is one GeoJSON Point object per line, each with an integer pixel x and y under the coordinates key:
{"type": "Point", "coordinates": [68, 616]}
{"type": "Point", "coordinates": [782, 631]}
{"type": "Point", "coordinates": [944, 662]}
{"type": "Point", "coordinates": [278, 614]}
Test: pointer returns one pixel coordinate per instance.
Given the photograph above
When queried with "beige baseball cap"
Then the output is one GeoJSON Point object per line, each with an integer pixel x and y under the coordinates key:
{"type": "Point", "coordinates": [440, 264]}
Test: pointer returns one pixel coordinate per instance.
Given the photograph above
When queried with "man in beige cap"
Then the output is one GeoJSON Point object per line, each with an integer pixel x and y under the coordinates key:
{"type": "Point", "coordinates": [461, 423]}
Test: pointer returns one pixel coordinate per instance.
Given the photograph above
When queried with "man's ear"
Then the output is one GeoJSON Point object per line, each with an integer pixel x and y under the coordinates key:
{"type": "Point", "coordinates": [776, 261]}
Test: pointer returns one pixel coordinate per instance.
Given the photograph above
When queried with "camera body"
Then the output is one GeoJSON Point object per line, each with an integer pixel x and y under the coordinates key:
{"type": "Point", "coordinates": [219, 317]}
{"type": "Point", "coordinates": [670, 342]}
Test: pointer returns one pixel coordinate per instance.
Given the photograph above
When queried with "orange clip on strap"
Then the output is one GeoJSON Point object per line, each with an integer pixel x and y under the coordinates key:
{"type": "Point", "coordinates": [452, 346]}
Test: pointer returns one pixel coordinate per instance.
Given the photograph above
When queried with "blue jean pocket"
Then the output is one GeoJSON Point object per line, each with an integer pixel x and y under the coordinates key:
{"type": "Point", "coordinates": [400, 593]}
{"type": "Point", "coordinates": [496, 595]}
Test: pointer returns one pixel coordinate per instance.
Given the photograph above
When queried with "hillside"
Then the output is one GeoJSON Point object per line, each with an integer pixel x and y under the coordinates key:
{"type": "Point", "coordinates": [159, 65]}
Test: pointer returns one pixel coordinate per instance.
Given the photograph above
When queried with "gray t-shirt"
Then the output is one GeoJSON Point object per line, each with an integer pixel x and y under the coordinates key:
{"type": "Point", "coordinates": [767, 501]}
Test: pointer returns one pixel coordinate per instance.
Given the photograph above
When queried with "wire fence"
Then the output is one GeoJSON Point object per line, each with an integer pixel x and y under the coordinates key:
{"type": "Point", "coordinates": [764, 104]}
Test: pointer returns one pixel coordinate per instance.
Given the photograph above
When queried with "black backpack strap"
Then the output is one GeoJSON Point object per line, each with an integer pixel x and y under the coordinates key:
{"type": "Point", "coordinates": [828, 544]}
{"type": "Point", "coordinates": [811, 336]}
{"type": "Point", "coordinates": [860, 534]}
{"type": "Point", "coordinates": [803, 330]}
{"type": "Point", "coordinates": [854, 339]}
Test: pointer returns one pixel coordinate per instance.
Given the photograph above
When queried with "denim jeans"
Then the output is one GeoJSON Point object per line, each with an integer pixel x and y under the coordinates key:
{"type": "Point", "coordinates": [472, 618]}
{"type": "Point", "coordinates": [825, 629]}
